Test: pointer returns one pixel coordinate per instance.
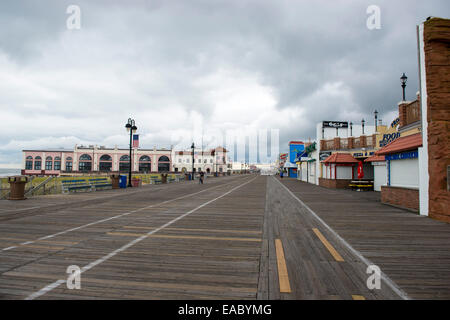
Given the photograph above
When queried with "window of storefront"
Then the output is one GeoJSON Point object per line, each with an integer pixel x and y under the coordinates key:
{"type": "Point", "coordinates": [37, 163]}
{"type": "Point", "coordinates": [48, 163]}
{"type": "Point", "coordinates": [85, 163]}
{"type": "Point", "coordinates": [29, 163]}
{"type": "Point", "coordinates": [69, 164]}
{"type": "Point", "coordinates": [105, 163]}
{"type": "Point", "coordinates": [124, 164]}
{"type": "Point", "coordinates": [145, 164]}
{"type": "Point", "coordinates": [163, 164]}
{"type": "Point", "coordinates": [57, 163]}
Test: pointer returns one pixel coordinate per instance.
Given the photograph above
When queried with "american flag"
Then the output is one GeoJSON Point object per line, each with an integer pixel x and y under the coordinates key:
{"type": "Point", "coordinates": [135, 141]}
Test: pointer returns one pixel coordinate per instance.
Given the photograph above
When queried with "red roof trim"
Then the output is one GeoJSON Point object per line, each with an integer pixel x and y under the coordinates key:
{"type": "Point", "coordinates": [341, 158]}
{"type": "Point", "coordinates": [375, 158]}
{"type": "Point", "coordinates": [407, 143]}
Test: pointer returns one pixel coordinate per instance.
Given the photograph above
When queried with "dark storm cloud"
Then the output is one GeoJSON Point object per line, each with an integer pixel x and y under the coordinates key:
{"type": "Point", "coordinates": [256, 64]}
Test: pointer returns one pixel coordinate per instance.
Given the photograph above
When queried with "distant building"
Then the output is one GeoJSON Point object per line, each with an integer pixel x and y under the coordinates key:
{"type": "Point", "coordinates": [210, 161]}
{"type": "Point", "coordinates": [295, 147]}
{"type": "Point", "coordinates": [94, 159]}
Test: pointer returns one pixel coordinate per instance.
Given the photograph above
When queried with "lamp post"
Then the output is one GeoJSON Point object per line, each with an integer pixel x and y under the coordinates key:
{"type": "Point", "coordinates": [131, 127]}
{"type": "Point", "coordinates": [351, 129]}
{"type": "Point", "coordinates": [376, 118]}
{"type": "Point", "coordinates": [403, 80]}
{"type": "Point", "coordinates": [362, 124]}
{"type": "Point", "coordinates": [193, 147]}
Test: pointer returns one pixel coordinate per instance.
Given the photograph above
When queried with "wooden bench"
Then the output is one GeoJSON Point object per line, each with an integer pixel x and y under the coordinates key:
{"type": "Point", "coordinates": [155, 180]}
{"type": "Point", "coordinates": [75, 185]}
{"type": "Point", "coordinates": [90, 184]}
{"type": "Point", "coordinates": [99, 183]}
{"type": "Point", "coordinates": [362, 185]}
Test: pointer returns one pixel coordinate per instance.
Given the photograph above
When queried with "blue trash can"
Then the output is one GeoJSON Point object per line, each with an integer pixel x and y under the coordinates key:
{"type": "Point", "coordinates": [123, 181]}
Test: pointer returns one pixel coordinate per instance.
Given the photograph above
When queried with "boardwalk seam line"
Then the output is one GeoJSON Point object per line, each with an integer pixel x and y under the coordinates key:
{"type": "Point", "coordinates": [57, 283]}
{"type": "Point", "coordinates": [402, 294]}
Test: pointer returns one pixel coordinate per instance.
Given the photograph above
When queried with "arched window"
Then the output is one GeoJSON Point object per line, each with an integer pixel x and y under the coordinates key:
{"type": "Point", "coordinates": [48, 163]}
{"type": "Point", "coordinates": [163, 164]}
{"type": "Point", "coordinates": [29, 163]}
{"type": "Point", "coordinates": [85, 157]}
{"type": "Point", "coordinates": [85, 163]}
{"type": "Point", "coordinates": [145, 164]}
{"type": "Point", "coordinates": [124, 163]}
{"type": "Point", "coordinates": [37, 163]}
{"type": "Point", "coordinates": [69, 164]}
{"type": "Point", "coordinates": [105, 163]}
{"type": "Point", "coordinates": [57, 164]}
{"type": "Point", "coordinates": [105, 157]}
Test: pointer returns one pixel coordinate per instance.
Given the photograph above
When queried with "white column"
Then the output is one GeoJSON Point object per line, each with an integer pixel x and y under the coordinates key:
{"type": "Point", "coordinates": [423, 152]}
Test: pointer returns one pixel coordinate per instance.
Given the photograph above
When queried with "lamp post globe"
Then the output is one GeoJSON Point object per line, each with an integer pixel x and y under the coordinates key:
{"type": "Point", "coordinates": [403, 80]}
{"type": "Point", "coordinates": [193, 148]}
{"type": "Point", "coordinates": [131, 127]}
{"type": "Point", "coordinates": [376, 118]}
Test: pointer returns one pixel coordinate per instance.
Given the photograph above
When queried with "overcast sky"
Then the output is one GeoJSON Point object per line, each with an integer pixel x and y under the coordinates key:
{"type": "Point", "coordinates": [172, 64]}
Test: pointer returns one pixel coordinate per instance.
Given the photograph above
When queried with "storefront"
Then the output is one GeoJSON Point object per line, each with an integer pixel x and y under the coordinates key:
{"type": "Point", "coordinates": [402, 172]}
{"type": "Point", "coordinates": [338, 171]}
{"type": "Point", "coordinates": [379, 171]}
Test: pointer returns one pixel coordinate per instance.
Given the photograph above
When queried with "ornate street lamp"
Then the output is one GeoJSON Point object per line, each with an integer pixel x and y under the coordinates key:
{"type": "Point", "coordinates": [403, 80]}
{"type": "Point", "coordinates": [376, 118]}
{"type": "Point", "coordinates": [193, 147]}
{"type": "Point", "coordinates": [351, 129]}
{"type": "Point", "coordinates": [362, 124]}
{"type": "Point", "coordinates": [131, 128]}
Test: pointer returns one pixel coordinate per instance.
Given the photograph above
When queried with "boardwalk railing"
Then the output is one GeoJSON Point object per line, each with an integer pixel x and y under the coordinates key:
{"type": "Point", "coordinates": [53, 185]}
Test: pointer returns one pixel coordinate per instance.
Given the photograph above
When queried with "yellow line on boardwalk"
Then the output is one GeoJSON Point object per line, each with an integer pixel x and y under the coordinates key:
{"type": "Point", "coordinates": [282, 269]}
{"type": "Point", "coordinates": [330, 248]}
{"type": "Point", "coordinates": [183, 237]}
{"type": "Point", "coordinates": [357, 297]}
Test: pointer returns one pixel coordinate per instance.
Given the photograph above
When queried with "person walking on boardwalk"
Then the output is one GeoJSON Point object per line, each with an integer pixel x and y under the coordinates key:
{"type": "Point", "coordinates": [281, 174]}
{"type": "Point", "coordinates": [202, 175]}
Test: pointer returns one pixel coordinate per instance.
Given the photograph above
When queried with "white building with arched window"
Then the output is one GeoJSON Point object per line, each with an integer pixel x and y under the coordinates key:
{"type": "Point", "coordinates": [208, 161]}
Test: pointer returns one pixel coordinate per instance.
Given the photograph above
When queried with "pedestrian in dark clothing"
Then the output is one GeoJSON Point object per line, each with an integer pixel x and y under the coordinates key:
{"type": "Point", "coordinates": [202, 175]}
{"type": "Point", "coordinates": [281, 174]}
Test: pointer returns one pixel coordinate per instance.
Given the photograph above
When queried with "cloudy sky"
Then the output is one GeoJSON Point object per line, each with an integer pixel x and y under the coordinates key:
{"type": "Point", "coordinates": [173, 65]}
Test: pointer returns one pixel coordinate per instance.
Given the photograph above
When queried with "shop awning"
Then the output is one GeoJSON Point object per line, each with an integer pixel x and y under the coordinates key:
{"type": "Point", "coordinates": [407, 143]}
{"type": "Point", "coordinates": [341, 158]}
{"type": "Point", "coordinates": [288, 165]}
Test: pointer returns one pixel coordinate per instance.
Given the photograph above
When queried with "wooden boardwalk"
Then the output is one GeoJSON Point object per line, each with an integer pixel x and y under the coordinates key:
{"type": "Point", "coordinates": [412, 250]}
{"type": "Point", "coordinates": [238, 237]}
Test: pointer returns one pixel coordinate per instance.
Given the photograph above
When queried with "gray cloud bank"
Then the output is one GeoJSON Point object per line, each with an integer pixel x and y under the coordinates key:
{"type": "Point", "coordinates": [231, 64]}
